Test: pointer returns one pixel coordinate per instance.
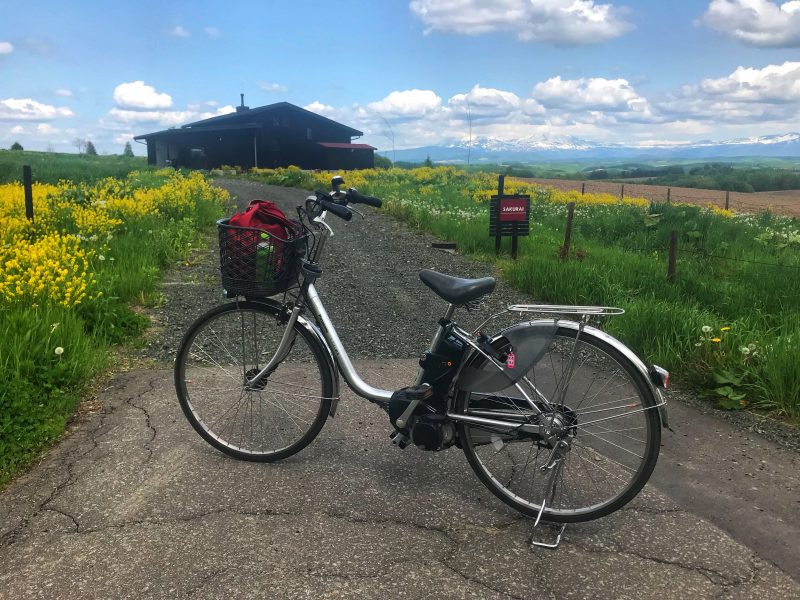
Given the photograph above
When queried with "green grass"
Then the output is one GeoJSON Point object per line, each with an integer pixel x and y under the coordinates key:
{"type": "Point", "coordinates": [50, 167]}
{"type": "Point", "coordinates": [739, 277]}
{"type": "Point", "coordinates": [39, 389]}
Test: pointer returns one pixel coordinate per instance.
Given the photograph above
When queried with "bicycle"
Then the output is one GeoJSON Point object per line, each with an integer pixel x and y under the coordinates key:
{"type": "Point", "coordinates": [558, 419]}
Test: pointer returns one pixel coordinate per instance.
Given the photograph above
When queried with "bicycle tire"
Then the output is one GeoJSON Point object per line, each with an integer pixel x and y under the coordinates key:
{"type": "Point", "coordinates": [231, 343]}
{"type": "Point", "coordinates": [597, 455]}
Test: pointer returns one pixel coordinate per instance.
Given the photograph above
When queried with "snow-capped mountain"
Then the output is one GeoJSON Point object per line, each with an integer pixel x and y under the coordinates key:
{"type": "Point", "coordinates": [530, 149]}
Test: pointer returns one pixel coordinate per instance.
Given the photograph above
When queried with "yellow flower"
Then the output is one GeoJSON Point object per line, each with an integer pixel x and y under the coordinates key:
{"type": "Point", "coordinates": [716, 340]}
{"type": "Point", "coordinates": [725, 329]}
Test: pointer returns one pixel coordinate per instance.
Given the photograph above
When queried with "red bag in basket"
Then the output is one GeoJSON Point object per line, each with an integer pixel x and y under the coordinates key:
{"type": "Point", "coordinates": [265, 215]}
{"type": "Point", "coordinates": [268, 247]}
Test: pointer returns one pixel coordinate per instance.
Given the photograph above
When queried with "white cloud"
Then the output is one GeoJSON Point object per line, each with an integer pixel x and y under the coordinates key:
{"type": "Point", "coordinates": [572, 22]}
{"type": "Point", "coordinates": [64, 92]}
{"type": "Point", "coordinates": [6, 48]}
{"type": "Point", "coordinates": [46, 129]}
{"type": "Point", "coordinates": [137, 95]}
{"type": "Point", "coordinates": [17, 129]}
{"type": "Point", "coordinates": [25, 109]}
{"type": "Point", "coordinates": [482, 102]}
{"type": "Point", "coordinates": [277, 88]}
{"type": "Point", "coordinates": [773, 83]}
{"type": "Point", "coordinates": [124, 137]}
{"type": "Point", "coordinates": [593, 93]}
{"type": "Point", "coordinates": [319, 108]}
{"type": "Point", "coordinates": [122, 119]}
{"type": "Point", "coordinates": [756, 22]}
{"type": "Point", "coordinates": [178, 31]}
{"type": "Point", "coordinates": [212, 32]}
{"type": "Point", "coordinates": [407, 103]}
{"type": "Point", "coordinates": [746, 96]}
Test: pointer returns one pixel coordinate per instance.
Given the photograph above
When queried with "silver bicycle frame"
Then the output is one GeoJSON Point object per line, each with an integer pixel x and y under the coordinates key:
{"type": "Point", "coordinates": [340, 357]}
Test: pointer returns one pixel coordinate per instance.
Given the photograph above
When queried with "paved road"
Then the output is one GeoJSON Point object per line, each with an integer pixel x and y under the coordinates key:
{"type": "Point", "coordinates": [133, 504]}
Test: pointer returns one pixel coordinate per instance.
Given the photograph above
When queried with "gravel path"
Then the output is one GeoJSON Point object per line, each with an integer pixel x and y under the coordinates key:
{"type": "Point", "coordinates": [372, 291]}
{"type": "Point", "coordinates": [370, 285]}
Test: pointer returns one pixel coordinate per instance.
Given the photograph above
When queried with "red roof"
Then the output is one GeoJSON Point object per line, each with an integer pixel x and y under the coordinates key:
{"type": "Point", "coordinates": [346, 146]}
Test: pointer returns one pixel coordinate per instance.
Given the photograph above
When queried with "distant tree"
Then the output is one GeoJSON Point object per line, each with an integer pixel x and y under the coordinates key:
{"type": "Point", "coordinates": [16, 146]}
{"type": "Point", "coordinates": [90, 149]}
{"type": "Point", "coordinates": [80, 144]}
{"type": "Point", "coordinates": [128, 150]}
{"type": "Point", "coordinates": [428, 161]}
{"type": "Point", "coordinates": [381, 162]}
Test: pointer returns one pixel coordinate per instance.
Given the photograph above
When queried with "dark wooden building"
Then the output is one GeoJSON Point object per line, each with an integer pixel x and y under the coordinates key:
{"type": "Point", "coordinates": [277, 135]}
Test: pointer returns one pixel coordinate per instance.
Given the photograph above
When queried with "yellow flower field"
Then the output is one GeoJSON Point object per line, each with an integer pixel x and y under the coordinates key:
{"type": "Point", "coordinates": [50, 259]}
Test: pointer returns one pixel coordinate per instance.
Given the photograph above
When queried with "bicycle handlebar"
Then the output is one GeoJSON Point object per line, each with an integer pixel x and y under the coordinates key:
{"type": "Point", "coordinates": [355, 197]}
{"type": "Point", "coordinates": [339, 210]}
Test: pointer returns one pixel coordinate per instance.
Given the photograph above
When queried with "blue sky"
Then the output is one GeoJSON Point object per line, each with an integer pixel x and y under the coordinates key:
{"type": "Point", "coordinates": [409, 73]}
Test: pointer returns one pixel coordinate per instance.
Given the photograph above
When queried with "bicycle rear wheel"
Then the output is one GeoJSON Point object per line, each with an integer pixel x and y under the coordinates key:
{"type": "Point", "coordinates": [270, 420]}
{"type": "Point", "coordinates": [606, 416]}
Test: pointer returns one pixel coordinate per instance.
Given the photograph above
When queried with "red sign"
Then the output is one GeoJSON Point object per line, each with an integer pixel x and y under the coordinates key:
{"type": "Point", "coordinates": [513, 209]}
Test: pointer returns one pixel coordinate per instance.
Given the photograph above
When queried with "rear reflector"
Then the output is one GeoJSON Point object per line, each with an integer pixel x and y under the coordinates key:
{"type": "Point", "coordinates": [659, 376]}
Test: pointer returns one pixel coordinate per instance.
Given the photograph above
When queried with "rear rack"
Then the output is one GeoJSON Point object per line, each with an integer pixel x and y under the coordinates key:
{"type": "Point", "coordinates": [557, 309]}
{"type": "Point", "coordinates": [566, 309]}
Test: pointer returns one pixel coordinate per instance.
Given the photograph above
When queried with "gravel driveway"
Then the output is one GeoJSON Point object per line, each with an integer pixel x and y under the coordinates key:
{"type": "Point", "coordinates": [370, 285]}
{"type": "Point", "coordinates": [132, 504]}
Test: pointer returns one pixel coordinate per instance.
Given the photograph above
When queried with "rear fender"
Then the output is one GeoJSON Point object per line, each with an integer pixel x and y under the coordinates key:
{"type": "Point", "coordinates": [529, 341]}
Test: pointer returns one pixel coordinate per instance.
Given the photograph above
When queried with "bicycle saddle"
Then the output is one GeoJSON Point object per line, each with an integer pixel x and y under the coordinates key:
{"type": "Point", "coordinates": [454, 289]}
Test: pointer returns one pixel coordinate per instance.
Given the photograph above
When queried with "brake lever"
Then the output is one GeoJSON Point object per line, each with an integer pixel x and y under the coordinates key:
{"type": "Point", "coordinates": [358, 212]}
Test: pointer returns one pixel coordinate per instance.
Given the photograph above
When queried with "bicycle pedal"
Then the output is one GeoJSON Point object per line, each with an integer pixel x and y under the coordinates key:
{"type": "Point", "coordinates": [399, 439]}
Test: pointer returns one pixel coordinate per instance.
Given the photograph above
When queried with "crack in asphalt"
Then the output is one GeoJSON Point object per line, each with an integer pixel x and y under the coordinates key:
{"type": "Point", "coordinates": [147, 419]}
{"type": "Point", "coordinates": [713, 576]}
{"type": "Point", "coordinates": [74, 456]}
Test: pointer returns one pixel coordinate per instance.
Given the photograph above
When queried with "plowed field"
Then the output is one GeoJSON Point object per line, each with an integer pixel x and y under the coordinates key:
{"type": "Point", "coordinates": [784, 202]}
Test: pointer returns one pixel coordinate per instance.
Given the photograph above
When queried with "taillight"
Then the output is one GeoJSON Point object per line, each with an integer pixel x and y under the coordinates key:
{"type": "Point", "coordinates": [659, 376]}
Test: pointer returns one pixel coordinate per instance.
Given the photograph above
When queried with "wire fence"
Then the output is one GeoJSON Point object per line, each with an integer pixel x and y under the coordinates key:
{"type": "Point", "coordinates": [673, 251]}
{"type": "Point", "coordinates": [781, 202]}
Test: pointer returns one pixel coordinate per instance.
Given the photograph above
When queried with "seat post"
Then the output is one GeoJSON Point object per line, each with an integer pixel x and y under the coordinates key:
{"type": "Point", "coordinates": [448, 314]}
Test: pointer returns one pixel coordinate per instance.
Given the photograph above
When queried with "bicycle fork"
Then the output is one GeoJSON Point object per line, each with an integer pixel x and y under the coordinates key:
{"type": "Point", "coordinates": [281, 352]}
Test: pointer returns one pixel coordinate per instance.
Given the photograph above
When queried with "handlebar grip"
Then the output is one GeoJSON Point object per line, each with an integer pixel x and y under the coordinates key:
{"type": "Point", "coordinates": [340, 211]}
{"type": "Point", "coordinates": [355, 196]}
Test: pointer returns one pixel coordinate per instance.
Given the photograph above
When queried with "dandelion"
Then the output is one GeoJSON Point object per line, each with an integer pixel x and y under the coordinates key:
{"type": "Point", "coordinates": [716, 340]}
{"type": "Point", "coordinates": [705, 329]}
{"type": "Point", "coordinates": [101, 257]}
{"type": "Point", "coordinates": [53, 327]}
{"type": "Point", "coordinates": [725, 329]}
{"type": "Point", "coordinates": [59, 351]}
{"type": "Point", "coordinates": [744, 350]}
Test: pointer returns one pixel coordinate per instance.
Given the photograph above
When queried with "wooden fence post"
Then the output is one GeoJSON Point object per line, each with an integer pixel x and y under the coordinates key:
{"type": "Point", "coordinates": [583, 188]}
{"type": "Point", "coordinates": [564, 254]}
{"type": "Point", "coordinates": [673, 255]}
{"type": "Point", "coordinates": [669, 190]}
{"type": "Point", "coordinates": [622, 192]}
{"type": "Point", "coordinates": [501, 182]}
{"type": "Point", "coordinates": [27, 184]}
{"type": "Point", "coordinates": [727, 200]}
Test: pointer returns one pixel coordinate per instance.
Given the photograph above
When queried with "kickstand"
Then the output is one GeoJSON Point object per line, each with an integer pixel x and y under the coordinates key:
{"type": "Point", "coordinates": [553, 527]}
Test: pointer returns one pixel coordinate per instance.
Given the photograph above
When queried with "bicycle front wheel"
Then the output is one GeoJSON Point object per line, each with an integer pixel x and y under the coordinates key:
{"type": "Point", "coordinates": [605, 417]}
{"type": "Point", "coordinates": [266, 421]}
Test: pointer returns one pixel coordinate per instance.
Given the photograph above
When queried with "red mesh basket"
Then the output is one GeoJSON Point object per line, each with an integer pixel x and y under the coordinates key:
{"type": "Point", "coordinates": [255, 263]}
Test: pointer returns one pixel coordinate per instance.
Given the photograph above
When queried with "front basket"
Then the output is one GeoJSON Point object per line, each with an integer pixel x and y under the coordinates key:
{"type": "Point", "coordinates": [255, 263]}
